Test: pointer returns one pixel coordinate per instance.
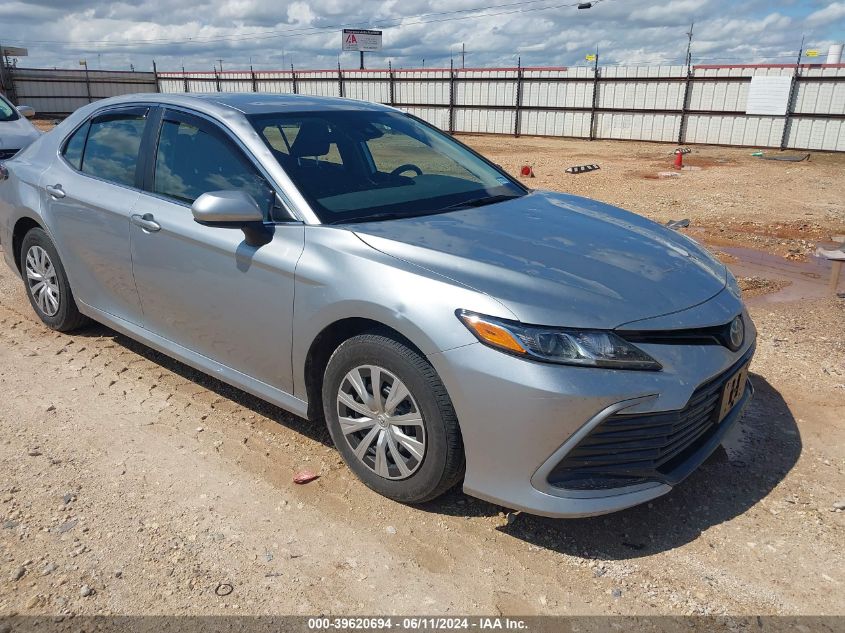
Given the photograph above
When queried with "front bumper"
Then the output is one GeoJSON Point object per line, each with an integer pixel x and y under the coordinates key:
{"type": "Point", "coordinates": [520, 418]}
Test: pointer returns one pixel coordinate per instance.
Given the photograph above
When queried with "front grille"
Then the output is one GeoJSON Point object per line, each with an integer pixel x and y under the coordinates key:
{"type": "Point", "coordinates": [629, 449]}
{"type": "Point", "coordinates": [6, 154]}
{"type": "Point", "coordinates": [714, 335]}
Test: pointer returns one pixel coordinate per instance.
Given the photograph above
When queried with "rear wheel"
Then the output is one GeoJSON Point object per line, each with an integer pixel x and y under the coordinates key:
{"type": "Point", "coordinates": [46, 283]}
{"type": "Point", "coordinates": [391, 419]}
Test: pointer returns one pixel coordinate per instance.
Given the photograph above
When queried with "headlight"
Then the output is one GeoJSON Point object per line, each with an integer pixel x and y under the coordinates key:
{"type": "Point", "coordinates": [591, 348]}
{"type": "Point", "coordinates": [732, 284]}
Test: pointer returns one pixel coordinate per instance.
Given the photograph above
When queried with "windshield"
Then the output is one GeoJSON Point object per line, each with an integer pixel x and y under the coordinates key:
{"type": "Point", "coordinates": [7, 110]}
{"type": "Point", "coordinates": [360, 165]}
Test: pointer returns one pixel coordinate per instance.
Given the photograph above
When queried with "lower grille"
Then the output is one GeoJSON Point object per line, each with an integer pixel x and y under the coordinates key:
{"type": "Point", "coordinates": [625, 450]}
{"type": "Point", "coordinates": [6, 154]}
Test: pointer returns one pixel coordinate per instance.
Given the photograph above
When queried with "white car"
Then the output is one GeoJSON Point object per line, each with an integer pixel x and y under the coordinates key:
{"type": "Point", "coordinates": [16, 132]}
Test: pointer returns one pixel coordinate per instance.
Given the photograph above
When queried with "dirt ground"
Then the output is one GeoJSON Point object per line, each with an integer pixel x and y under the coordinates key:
{"type": "Point", "coordinates": [134, 485]}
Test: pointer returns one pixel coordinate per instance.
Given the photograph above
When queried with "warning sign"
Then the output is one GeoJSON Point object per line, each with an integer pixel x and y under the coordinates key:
{"type": "Point", "coordinates": [361, 40]}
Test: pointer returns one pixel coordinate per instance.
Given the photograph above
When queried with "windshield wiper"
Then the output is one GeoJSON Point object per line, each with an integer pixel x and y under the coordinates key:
{"type": "Point", "coordinates": [396, 215]}
{"type": "Point", "coordinates": [480, 202]}
{"type": "Point", "coordinates": [375, 217]}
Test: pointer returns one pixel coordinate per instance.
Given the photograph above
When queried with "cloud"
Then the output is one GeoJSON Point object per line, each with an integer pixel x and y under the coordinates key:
{"type": "Point", "coordinates": [274, 33]}
{"type": "Point", "coordinates": [831, 13]}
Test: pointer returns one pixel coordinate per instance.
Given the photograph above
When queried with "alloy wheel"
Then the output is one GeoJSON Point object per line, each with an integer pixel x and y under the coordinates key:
{"type": "Point", "coordinates": [381, 422]}
{"type": "Point", "coordinates": [42, 280]}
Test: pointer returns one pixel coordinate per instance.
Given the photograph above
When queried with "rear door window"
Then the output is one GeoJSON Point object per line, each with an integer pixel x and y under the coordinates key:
{"type": "Point", "coordinates": [111, 151]}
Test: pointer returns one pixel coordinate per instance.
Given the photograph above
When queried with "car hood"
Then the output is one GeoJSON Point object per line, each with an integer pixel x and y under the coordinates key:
{"type": "Point", "coordinates": [557, 259]}
{"type": "Point", "coordinates": [17, 134]}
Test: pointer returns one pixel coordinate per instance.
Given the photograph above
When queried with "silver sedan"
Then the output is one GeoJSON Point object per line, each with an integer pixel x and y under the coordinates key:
{"type": "Point", "coordinates": [16, 132]}
{"type": "Point", "coordinates": [354, 265]}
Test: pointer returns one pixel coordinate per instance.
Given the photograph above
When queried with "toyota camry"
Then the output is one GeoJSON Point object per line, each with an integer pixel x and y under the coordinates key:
{"type": "Point", "coordinates": [354, 265]}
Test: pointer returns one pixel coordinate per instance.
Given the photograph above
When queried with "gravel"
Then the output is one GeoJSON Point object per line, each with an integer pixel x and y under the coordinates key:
{"type": "Point", "coordinates": [175, 516]}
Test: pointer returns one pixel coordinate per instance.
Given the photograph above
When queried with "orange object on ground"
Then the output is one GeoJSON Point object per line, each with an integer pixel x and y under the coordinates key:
{"type": "Point", "coordinates": [679, 160]}
{"type": "Point", "coordinates": [527, 171]}
{"type": "Point", "coordinates": [304, 476]}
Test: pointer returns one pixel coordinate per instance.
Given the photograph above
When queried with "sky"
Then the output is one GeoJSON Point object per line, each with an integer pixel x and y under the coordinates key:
{"type": "Point", "coordinates": [273, 34]}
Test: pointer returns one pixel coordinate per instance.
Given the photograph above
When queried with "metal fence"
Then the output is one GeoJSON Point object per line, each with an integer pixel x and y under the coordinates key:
{"type": "Point", "coordinates": [649, 103]}
{"type": "Point", "coordinates": [60, 92]}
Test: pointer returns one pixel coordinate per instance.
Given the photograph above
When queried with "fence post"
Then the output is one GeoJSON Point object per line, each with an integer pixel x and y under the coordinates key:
{"type": "Point", "coordinates": [254, 81]}
{"type": "Point", "coordinates": [390, 79]}
{"type": "Point", "coordinates": [155, 74]}
{"type": "Point", "coordinates": [451, 97]}
{"type": "Point", "coordinates": [217, 79]}
{"type": "Point", "coordinates": [682, 128]}
{"type": "Point", "coordinates": [518, 112]}
{"type": "Point", "coordinates": [87, 82]}
{"type": "Point", "coordinates": [293, 77]}
{"type": "Point", "coordinates": [595, 103]}
{"type": "Point", "coordinates": [796, 74]}
{"type": "Point", "coordinates": [339, 80]}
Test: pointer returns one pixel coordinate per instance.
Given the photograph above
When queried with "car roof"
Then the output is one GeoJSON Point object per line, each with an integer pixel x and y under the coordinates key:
{"type": "Point", "coordinates": [248, 103]}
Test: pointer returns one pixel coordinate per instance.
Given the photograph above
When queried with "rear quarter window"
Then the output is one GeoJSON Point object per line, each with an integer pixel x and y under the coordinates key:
{"type": "Point", "coordinates": [74, 147]}
{"type": "Point", "coordinates": [111, 152]}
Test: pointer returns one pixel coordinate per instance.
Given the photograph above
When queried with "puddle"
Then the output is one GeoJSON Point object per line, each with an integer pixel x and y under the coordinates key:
{"type": "Point", "coordinates": [807, 280]}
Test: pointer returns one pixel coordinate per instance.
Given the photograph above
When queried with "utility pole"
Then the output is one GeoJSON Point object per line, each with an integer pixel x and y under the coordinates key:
{"type": "Point", "coordinates": [796, 74]}
{"type": "Point", "coordinates": [689, 47]}
{"type": "Point", "coordinates": [362, 59]}
{"type": "Point", "coordinates": [682, 126]}
{"type": "Point", "coordinates": [463, 55]}
{"type": "Point", "coordinates": [595, 102]}
{"type": "Point", "coordinates": [221, 65]}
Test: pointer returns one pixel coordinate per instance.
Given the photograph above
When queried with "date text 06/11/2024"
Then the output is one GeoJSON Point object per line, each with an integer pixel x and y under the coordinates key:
{"type": "Point", "coordinates": [417, 623]}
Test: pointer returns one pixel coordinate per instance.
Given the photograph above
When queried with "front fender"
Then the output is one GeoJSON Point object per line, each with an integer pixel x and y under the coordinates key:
{"type": "Point", "coordinates": [339, 277]}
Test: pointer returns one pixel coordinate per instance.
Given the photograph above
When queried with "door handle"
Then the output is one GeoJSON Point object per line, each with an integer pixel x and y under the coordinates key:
{"type": "Point", "coordinates": [146, 222]}
{"type": "Point", "coordinates": [56, 191]}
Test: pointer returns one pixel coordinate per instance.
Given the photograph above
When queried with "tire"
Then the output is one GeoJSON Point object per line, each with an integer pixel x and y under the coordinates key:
{"type": "Point", "coordinates": [427, 410]}
{"type": "Point", "coordinates": [54, 305]}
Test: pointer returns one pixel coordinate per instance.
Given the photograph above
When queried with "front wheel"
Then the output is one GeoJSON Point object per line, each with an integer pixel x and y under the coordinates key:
{"type": "Point", "coordinates": [391, 419]}
{"type": "Point", "coordinates": [47, 286]}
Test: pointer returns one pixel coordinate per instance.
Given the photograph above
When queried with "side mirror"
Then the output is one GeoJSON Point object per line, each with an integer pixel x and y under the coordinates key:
{"type": "Point", "coordinates": [226, 208]}
{"type": "Point", "coordinates": [27, 111]}
{"type": "Point", "coordinates": [233, 209]}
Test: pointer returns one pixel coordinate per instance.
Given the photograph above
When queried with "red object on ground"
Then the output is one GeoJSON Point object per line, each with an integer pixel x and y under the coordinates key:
{"type": "Point", "coordinates": [304, 476]}
{"type": "Point", "coordinates": [527, 171]}
{"type": "Point", "coordinates": [679, 160]}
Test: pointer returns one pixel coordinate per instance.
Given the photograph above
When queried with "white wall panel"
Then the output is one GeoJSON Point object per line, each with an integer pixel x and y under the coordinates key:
{"type": "Point", "coordinates": [821, 134]}
{"type": "Point", "coordinates": [555, 123]}
{"type": "Point", "coordinates": [368, 85]}
{"type": "Point", "coordinates": [276, 83]}
{"type": "Point", "coordinates": [439, 117]}
{"type": "Point", "coordinates": [735, 130]}
{"type": "Point", "coordinates": [633, 126]}
{"type": "Point", "coordinates": [427, 92]}
{"type": "Point", "coordinates": [484, 121]}
{"type": "Point", "coordinates": [422, 87]}
{"type": "Point", "coordinates": [470, 91]}
{"type": "Point", "coordinates": [319, 83]}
